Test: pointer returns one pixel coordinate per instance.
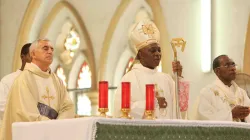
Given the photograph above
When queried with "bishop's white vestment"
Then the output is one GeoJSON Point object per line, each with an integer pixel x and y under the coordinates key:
{"type": "Point", "coordinates": [139, 76]}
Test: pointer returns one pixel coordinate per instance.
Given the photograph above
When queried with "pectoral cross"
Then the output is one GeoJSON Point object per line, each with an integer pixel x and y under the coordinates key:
{"type": "Point", "coordinates": [157, 91]}
{"type": "Point", "coordinates": [47, 96]}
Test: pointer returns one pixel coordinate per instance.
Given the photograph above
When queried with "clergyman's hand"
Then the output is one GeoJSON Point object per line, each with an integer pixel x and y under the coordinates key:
{"type": "Point", "coordinates": [240, 112]}
{"type": "Point", "coordinates": [162, 102]}
{"type": "Point", "coordinates": [177, 67]}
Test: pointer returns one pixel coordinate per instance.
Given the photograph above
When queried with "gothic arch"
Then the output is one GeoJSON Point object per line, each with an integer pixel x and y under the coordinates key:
{"type": "Point", "coordinates": [121, 19]}
{"type": "Point", "coordinates": [76, 67]}
{"type": "Point", "coordinates": [24, 31]}
{"type": "Point", "coordinates": [63, 13]}
{"type": "Point", "coordinates": [113, 45]}
{"type": "Point", "coordinates": [122, 64]}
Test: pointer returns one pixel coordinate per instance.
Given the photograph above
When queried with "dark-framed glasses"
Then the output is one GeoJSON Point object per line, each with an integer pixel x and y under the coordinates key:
{"type": "Point", "coordinates": [229, 65]}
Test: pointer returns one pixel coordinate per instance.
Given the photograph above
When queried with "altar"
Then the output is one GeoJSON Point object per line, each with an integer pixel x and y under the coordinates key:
{"type": "Point", "coordinates": [92, 128]}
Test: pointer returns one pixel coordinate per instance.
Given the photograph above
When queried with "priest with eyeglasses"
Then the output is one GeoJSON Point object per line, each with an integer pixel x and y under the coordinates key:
{"type": "Point", "coordinates": [223, 100]}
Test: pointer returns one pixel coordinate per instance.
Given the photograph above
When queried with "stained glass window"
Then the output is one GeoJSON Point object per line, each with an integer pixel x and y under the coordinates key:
{"type": "Point", "coordinates": [72, 42]}
{"type": "Point", "coordinates": [61, 75]}
{"type": "Point", "coordinates": [83, 105]}
{"type": "Point", "coordinates": [84, 81]}
{"type": "Point", "coordinates": [84, 78]}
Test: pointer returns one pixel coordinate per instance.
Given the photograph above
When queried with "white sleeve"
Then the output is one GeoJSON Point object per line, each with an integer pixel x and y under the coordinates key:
{"type": "Point", "coordinates": [208, 107]}
{"type": "Point", "coordinates": [246, 103]}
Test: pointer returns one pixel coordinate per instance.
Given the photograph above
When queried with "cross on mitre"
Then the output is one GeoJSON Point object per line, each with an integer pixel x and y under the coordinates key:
{"type": "Point", "coordinates": [148, 29]}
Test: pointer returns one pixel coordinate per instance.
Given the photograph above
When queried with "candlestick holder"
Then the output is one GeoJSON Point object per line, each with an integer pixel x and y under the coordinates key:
{"type": "Point", "coordinates": [125, 113]}
{"type": "Point", "coordinates": [103, 112]}
{"type": "Point", "coordinates": [149, 115]}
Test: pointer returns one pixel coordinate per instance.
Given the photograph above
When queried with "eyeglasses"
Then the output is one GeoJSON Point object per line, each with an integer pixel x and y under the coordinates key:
{"type": "Point", "coordinates": [232, 65]}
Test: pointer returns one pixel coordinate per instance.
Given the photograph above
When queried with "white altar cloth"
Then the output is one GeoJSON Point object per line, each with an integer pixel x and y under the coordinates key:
{"type": "Point", "coordinates": [84, 128]}
{"type": "Point", "coordinates": [69, 129]}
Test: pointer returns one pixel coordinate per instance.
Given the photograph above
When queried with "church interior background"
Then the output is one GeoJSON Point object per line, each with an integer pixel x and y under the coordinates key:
{"type": "Point", "coordinates": [91, 42]}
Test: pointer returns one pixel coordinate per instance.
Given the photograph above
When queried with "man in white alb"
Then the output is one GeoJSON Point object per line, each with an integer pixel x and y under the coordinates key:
{"type": "Point", "coordinates": [8, 80]}
{"type": "Point", "coordinates": [223, 100]}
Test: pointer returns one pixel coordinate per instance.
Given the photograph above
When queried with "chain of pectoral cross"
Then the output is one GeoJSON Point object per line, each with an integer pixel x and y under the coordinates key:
{"type": "Point", "coordinates": [236, 101]}
{"type": "Point", "coordinates": [157, 91]}
{"type": "Point", "coordinates": [48, 96]}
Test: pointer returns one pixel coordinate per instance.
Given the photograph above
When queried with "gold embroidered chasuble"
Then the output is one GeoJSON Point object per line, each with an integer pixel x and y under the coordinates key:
{"type": "Point", "coordinates": [32, 87]}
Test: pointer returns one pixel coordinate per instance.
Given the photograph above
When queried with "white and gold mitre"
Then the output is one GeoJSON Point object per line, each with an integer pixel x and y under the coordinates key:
{"type": "Point", "coordinates": [144, 33]}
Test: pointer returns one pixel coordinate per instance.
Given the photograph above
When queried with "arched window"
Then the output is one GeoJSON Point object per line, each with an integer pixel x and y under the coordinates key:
{"type": "Point", "coordinates": [84, 81]}
{"type": "Point", "coordinates": [130, 62]}
{"type": "Point", "coordinates": [61, 75]}
{"type": "Point", "coordinates": [84, 77]}
{"type": "Point", "coordinates": [72, 42]}
{"type": "Point", "coordinates": [83, 105]}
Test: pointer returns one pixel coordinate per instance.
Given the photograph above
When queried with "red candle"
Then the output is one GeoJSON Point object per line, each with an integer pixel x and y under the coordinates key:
{"type": "Point", "coordinates": [103, 94]}
{"type": "Point", "coordinates": [150, 97]}
{"type": "Point", "coordinates": [125, 94]}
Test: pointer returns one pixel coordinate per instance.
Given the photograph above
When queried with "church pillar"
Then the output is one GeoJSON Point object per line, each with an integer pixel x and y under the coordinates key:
{"type": "Point", "coordinates": [246, 66]}
{"type": "Point", "coordinates": [93, 96]}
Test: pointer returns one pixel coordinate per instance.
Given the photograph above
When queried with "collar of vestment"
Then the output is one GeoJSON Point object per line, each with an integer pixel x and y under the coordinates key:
{"type": "Point", "coordinates": [231, 93]}
{"type": "Point", "coordinates": [224, 87]}
{"type": "Point", "coordinates": [145, 69]}
{"type": "Point", "coordinates": [36, 70]}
